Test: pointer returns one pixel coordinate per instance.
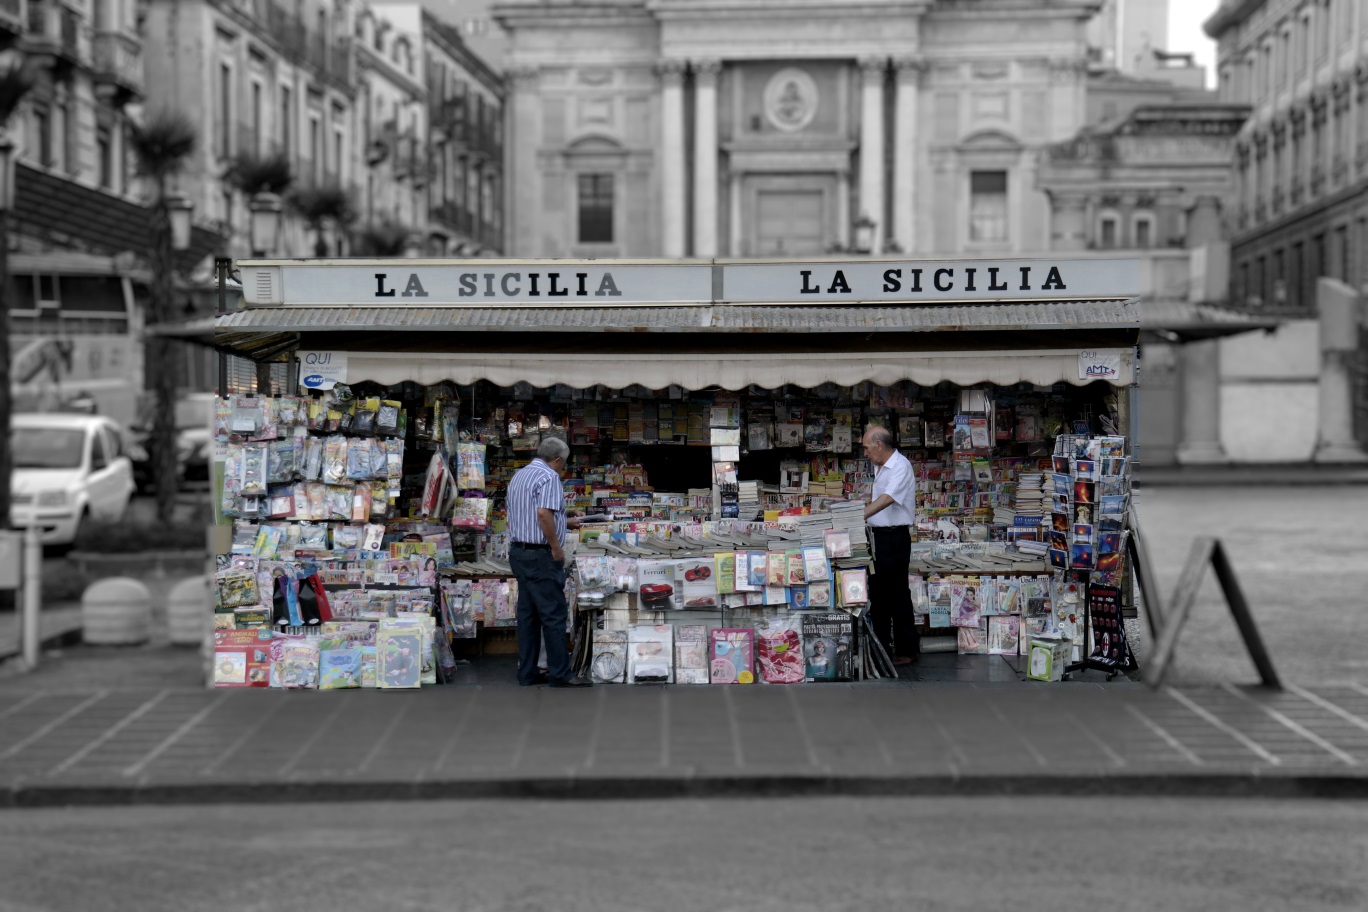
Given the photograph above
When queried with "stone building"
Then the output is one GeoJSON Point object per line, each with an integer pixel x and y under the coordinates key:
{"type": "Point", "coordinates": [1301, 161]}
{"type": "Point", "coordinates": [460, 180]}
{"type": "Point", "coordinates": [780, 127]}
{"type": "Point", "coordinates": [80, 228]}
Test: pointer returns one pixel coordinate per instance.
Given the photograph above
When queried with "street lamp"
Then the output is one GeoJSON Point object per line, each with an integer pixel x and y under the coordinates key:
{"type": "Point", "coordinates": [864, 234]}
{"type": "Point", "coordinates": [266, 209]}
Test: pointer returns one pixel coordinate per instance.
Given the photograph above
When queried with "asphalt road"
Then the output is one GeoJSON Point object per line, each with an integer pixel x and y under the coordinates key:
{"type": "Point", "coordinates": [798, 855]}
{"type": "Point", "coordinates": [1301, 554]}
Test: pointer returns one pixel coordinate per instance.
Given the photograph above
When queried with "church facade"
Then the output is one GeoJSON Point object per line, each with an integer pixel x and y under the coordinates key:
{"type": "Point", "coordinates": [774, 128]}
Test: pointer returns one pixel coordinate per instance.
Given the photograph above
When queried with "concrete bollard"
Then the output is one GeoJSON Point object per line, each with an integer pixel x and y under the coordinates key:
{"type": "Point", "coordinates": [116, 612]}
{"type": "Point", "coordinates": [188, 611]}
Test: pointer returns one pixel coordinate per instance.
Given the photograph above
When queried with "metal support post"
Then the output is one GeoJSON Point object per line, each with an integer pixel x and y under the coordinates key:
{"type": "Point", "coordinates": [32, 597]}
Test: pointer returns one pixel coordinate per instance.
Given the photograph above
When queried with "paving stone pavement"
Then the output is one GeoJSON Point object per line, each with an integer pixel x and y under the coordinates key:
{"type": "Point", "coordinates": [133, 727]}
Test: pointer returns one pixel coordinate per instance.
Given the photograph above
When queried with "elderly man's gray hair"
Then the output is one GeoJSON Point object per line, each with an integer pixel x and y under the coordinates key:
{"type": "Point", "coordinates": [881, 435]}
{"type": "Point", "coordinates": [553, 448]}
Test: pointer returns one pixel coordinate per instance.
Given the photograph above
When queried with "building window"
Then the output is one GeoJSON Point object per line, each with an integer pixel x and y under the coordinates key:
{"type": "Point", "coordinates": [286, 122]}
{"type": "Point", "coordinates": [104, 149]}
{"type": "Point", "coordinates": [1144, 232]}
{"type": "Point", "coordinates": [41, 146]}
{"type": "Point", "coordinates": [595, 208]}
{"type": "Point", "coordinates": [223, 141]}
{"type": "Point", "coordinates": [988, 206]}
{"type": "Point", "coordinates": [1323, 30]}
{"type": "Point", "coordinates": [256, 138]}
{"type": "Point", "coordinates": [1107, 233]}
{"type": "Point", "coordinates": [315, 150]}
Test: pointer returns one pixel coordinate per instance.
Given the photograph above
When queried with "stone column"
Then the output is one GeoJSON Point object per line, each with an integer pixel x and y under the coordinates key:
{"type": "Point", "coordinates": [520, 164]}
{"type": "Point", "coordinates": [843, 210]}
{"type": "Point", "coordinates": [672, 158]}
{"type": "Point", "coordinates": [734, 235]}
{"type": "Point", "coordinates": [871, 146]}
{"type": "Point", "coordinates": [1201, 404]}
{"type": "Point", "coordinates": [909, 72]}
{"type": "Point", "coordinates": [1068, 221]}
{"type": "Point", "coordinates": [1341, 315]}
{"type": "Point", "coordinates": [705, 157]}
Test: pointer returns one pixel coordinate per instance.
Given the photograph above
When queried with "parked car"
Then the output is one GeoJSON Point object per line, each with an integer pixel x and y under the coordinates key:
{"type": "Point", "coordinates": [67, 468]}
{"type": "Point", "coordinates": [194, 444]}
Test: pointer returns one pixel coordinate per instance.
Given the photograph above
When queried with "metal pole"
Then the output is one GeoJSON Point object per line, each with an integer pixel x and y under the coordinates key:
{"type": "Point", "coordinates": [33, 596]}
{"type": "Point", "coordinates": [222, 267]}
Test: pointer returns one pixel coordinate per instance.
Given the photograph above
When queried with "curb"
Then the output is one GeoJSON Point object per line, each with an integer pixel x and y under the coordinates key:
{"type": "Point", "coordinates": [1215, 785]}
{"type": "Point", "coordinates": [60, 640]}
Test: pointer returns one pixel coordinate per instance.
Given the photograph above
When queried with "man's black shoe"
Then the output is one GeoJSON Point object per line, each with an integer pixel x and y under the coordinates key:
{"type": "Point", "coordinates": [539, 679]}
{"type": "Point", "coordinates": [573, 682]}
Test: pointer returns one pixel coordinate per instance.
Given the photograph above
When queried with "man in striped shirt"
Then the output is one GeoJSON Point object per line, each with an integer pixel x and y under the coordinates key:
{"type": "Point", "coordinates": [536, 526]}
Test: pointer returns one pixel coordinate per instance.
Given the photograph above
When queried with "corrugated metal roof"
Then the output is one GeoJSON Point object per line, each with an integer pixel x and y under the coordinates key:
{"type": "Point", "coordinates": [699, 318]}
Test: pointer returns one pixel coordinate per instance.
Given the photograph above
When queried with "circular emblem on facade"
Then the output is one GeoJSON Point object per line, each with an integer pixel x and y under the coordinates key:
{"type": "Point", "coordinates": [790, 100]}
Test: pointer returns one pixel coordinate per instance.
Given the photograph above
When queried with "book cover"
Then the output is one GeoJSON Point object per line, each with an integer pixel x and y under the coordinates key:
{"type": "Point", "coordinates": [609, 664]}
{"type": "Point", "coordinates": [853, 585]}
{"type": "Point", "coordinates": [973, 640]}
{"type": "Point", "coordinates": [242, 658]}
{"type": "Point", "coordinates": [731, 656]}
{"type": "Point", "coordinates": [339, 668]}
{"type": "Point", "coordinates": [691, 654]}
{"type": "Point", "coordinates": [978, 434]}
{"type": "Point", "coordinates": [725, 564]}
{"type": "Point", "coordinates": [815, 566]}
{"type": "Point", "coordinates": [935, 433]}
{"type": "Point", "coordinates": [779, 651]}
{"type": "Point", "coordinates": [699, 586]}
{"type": "Point", "coordinates": [827, 640]}
{"type": "Point", "coordinates": [798, 598]}
{"type": "Point", "coordinates": [1004, 635]}
{"type": "Point", "coordinates": [759, 436]}
{"type": "Point", "coordinates": [650, 654]}
{"type": "Point", "coordinates": [399, 657]}
{"type": "Point", "coordinates": [837, 543]}
{"type": "Point", "coordinates": [796, 576]}
{"type": "Point", "coordinates": [964, 604]}
{"type": "Point", "coordinates": [819, 595]}
{"type": "Point", "coordinates": [776, 569]}
{"type": "Point", "coordinates": [299, 665]}
{"type": "Point", "coordinates": [757, 571]}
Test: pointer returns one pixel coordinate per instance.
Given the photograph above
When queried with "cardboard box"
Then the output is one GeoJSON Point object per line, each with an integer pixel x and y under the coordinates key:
{"type": "Point", "coordinates": [1046, 659]}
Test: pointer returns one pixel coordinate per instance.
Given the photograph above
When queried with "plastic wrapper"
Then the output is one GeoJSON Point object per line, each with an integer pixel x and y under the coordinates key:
{"type": "Point", "coordinates": [379, 462]}
{"type": "Point", "coordinates": [339, 498]}
{"type": "Point", "coordinates": [335, 460]}
{"type": "Point", "coordinates": [359, 459]}
{"type": "Point", "coordinates": [312, 469]}
{"type": "Point", "coordinates": [318, 500]}
{"type": "Point", "coordinates": [253, 470]}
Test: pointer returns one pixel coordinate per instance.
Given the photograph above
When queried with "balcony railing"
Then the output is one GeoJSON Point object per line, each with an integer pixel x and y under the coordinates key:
{"type": "Point", "coordinates": [118, 62]}
{"type": "Point", "coordinates": [54, 29]}
{"type": "Point", "coordinates": [330, 60]}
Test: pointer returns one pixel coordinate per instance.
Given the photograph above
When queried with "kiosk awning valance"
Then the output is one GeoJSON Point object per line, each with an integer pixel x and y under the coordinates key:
{"type": "Point", "coordinates": [736, 371]}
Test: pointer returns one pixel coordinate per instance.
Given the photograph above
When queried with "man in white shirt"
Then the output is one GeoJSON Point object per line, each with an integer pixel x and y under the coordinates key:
{"type": "Point", "coordinates": [890, 516]}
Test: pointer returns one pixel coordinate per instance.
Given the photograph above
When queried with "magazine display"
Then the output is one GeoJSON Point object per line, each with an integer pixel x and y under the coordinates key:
{"type": "Point", "coordinates": [731, 656]}
{"type": "Point", "coordinates": [827, 646]}
{"type": "Point", "coordinates": [779, 651]}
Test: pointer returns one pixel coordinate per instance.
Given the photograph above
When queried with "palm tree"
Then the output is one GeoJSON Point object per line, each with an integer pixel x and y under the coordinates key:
{"type": "Point", "coordinates": [16, 80]}
{"type": "Point", "coordinates": [382, 239]}
{"type": "Point", "coordinates": [319, 205]}
{"type": "Point", "coordinates": [253, 174]}
{"type": "Point", "coordinates": [162, 146]}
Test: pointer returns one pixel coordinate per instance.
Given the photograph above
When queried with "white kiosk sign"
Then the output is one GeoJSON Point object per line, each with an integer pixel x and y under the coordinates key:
{"type": "Point", "coordinates": [607, 283]}
{"type": "Point", "coordinates": [322, 370]}
{"type": "Point", "coordinates": [915, 281]}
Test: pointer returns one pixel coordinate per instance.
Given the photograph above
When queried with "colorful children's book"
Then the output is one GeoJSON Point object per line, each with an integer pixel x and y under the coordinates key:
{"type": "Point", "coordinates": [339, 668]}
{"type": "Point", "coordinates": [731, 656]}
{"type": "Point", "coordinates": [779, 651]}
{"type": "Point", "coordinates": [726, 572]}
{"type": "Point", "coordinates": [299, 665]}
{"type": "Point", "coordinates": [609, 665]}
{"type": "Point", "coordinates": [827, 646]}
{"type": "Point", "coordinates": [242, 658]}
{"type": "Point", "coordinates": [691, 654]}
{"type": "Point", "coordinates": [399, 656]}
